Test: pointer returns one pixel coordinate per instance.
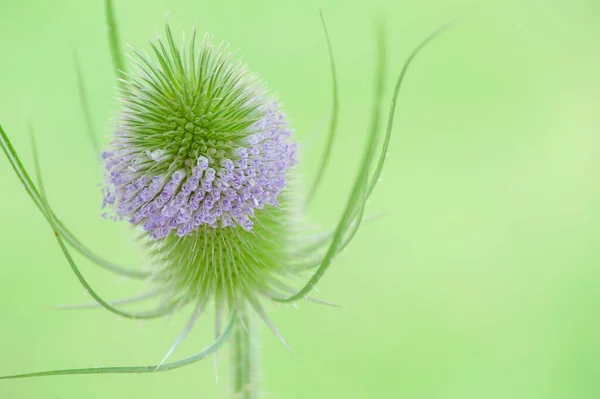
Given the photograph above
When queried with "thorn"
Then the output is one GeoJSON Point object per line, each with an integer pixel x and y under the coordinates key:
{"type": "Point", "coordinates": [216, 367]}
{"type": "Point", "coordinates": [183, 335]}
{"type": "Point", "coordinates": [322, 302]}
{"type": "Point", "coordinates": [271, 326]}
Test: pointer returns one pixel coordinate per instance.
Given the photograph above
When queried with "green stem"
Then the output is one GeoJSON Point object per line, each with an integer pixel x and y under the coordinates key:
{"type": "Point", "coordinates": [245, 360]}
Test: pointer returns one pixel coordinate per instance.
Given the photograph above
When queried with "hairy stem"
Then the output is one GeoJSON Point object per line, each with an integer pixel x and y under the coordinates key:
{"type": "Point", "coordinates": [245, 360]}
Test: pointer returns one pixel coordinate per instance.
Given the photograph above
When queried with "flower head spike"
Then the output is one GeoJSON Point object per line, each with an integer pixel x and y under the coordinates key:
{"type": "Point", "coordinates": [200, 161]}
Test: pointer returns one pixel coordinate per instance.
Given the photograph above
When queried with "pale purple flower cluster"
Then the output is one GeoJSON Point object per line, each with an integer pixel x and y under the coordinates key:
{"type": "Point", "coordinates": [221, 188]}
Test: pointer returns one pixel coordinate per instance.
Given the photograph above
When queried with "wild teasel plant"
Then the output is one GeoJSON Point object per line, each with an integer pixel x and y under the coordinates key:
{"type": "Point", "coordinates": [201, 165]}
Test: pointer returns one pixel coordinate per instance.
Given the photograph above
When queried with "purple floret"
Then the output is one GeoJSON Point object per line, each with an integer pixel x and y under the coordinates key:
{"type": "Point", "coordinates": [220, 189]}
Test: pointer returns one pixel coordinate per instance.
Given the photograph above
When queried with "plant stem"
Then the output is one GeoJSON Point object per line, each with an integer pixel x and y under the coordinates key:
{"type": "Point", "coordinates": [245, 360]}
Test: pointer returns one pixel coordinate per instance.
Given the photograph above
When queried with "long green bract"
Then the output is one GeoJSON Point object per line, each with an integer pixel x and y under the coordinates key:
{"type": "Point", "coordinates": [354, 204]}
{"type": "Point", "coordinates": [31, 189]}
{"type": "Point", "coordinates": [388, 133]}
{"type": "Point", "coordinates": [114, 40]}
{"type": "Point", "coordinates": [85, 107]}
{"type": "Point", "coordinates": [333, 122]}
{"type": "Point", "coordinates": [138, 369]}
{"type": "Point", "coordinates": [350, 210]}
{"type": "Point", "coordinates": [158, 312]}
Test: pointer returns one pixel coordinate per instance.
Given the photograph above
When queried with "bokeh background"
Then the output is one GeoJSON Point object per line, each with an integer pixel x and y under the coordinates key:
{"type": "Point", "coordinates": [482, 280]}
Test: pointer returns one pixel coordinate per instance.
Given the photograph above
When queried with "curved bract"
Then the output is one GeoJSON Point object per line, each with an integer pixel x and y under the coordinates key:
{"type": "Point", "coordinates": [363, 186]}
{"type": "Point", "coordinates": [212, 348]}
{"type": "Point", "coordinates": [114, 39]}
{"type": "Point", "coordinates": [33, 193]}
{"type": "Point", "coordinates": [85, 106]}
{"type": "Point", "coordinates": [333, 121]}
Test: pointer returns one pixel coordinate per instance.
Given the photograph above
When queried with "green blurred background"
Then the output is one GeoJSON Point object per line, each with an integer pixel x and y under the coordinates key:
{"type": "Point", "coordinates": [481, 281]}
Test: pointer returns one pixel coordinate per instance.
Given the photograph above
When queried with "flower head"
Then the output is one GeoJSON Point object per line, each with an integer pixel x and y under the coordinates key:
{"type": "Point", "coordinates": [200, 162]}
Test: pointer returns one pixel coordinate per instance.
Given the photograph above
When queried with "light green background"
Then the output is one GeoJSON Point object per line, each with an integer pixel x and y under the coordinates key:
{"type": "Point", "coordinates": [481, 281]}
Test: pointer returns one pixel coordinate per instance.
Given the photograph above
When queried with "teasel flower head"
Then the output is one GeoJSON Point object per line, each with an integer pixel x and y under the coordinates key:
{"type": "Point", "coordinates": [200, 165]}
